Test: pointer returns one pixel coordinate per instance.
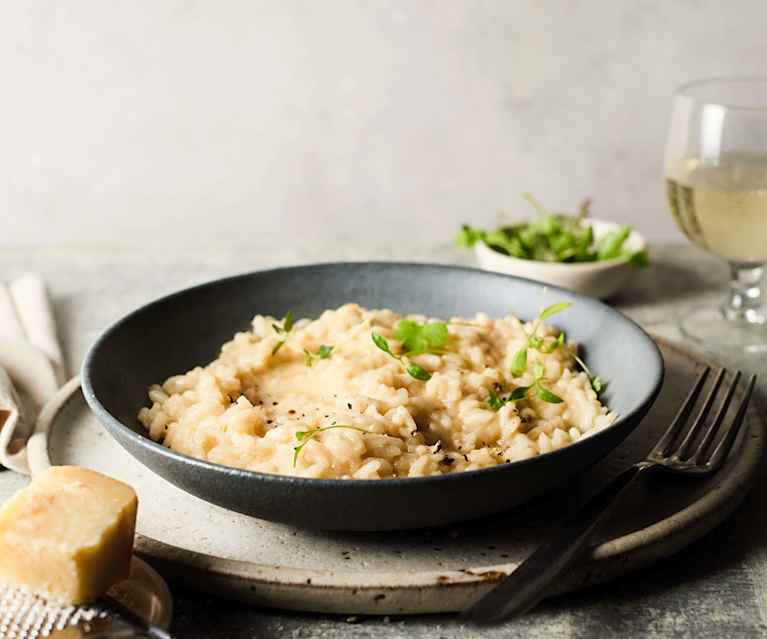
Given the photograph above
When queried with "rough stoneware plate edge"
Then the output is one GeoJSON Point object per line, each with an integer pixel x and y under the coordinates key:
{"type": "Point", "coordinates": [431, 591]}
{"type": "Point", "coordinates": [98, 408]}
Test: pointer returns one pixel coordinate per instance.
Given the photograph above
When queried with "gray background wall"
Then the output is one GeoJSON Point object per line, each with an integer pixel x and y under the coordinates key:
{"type": "Point", "coordinates": [221, 122]}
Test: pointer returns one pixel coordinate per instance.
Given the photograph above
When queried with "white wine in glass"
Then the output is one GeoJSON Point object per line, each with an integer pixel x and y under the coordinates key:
{"type": "Point", "coordinates": [716, 185]}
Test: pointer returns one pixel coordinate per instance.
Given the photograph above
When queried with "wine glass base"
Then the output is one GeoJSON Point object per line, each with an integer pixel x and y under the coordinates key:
{"type": "Point", "coordinates": [712, 330]}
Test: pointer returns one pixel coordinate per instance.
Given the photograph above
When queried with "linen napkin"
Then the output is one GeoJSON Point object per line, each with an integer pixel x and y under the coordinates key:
{"type": "Point", "coordinates": [31, 364]}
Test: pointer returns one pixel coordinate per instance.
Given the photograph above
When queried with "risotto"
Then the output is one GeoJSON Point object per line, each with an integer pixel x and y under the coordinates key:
{"type": "Point", "coordinates": [322, 399]}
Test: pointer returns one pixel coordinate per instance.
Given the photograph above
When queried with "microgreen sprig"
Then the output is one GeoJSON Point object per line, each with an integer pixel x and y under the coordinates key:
{"type": "Point", "coordinates": [496, 402]}
{"type": "Point", "coordinates": [536, 342]}
{"type": "Point", "coordinates": [416, 339]}
{"type": "Point", "coordinates": [324, 352]}
{"type": "Point", "coordinates": [540, 390]}
{"type": "Point", "coordinates": [283, 329]}
{"type": "Point", "coordinates": [419, 338]}
{"type": "Point", "coordinates": [414, 370]}
{"type": "Point", "coordinates": [303, 437]}
{"type": "Point", "coordinates": [596, 382]}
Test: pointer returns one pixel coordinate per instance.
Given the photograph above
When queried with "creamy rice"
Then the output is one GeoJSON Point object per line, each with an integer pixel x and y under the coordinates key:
{"type": "Point", "coordinates": [245, 408]}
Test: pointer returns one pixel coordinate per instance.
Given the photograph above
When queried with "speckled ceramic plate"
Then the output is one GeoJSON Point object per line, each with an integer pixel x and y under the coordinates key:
{"type": "Point", "coordinates": [434, 570]}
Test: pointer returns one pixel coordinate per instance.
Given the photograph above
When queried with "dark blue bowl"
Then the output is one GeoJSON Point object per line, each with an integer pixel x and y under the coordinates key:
{"type": "Point", "coordinates": [186, 329]}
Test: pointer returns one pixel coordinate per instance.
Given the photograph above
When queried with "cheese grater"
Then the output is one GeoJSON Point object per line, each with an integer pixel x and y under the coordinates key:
{"type": "Point", "coordinates": [27, 616]}
{"type": "Point", "coordinates": [140, 606]}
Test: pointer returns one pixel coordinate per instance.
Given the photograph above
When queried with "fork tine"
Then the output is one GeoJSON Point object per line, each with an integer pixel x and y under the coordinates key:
{"type": "Point", "coordinates": [705, 443]}
{"type": "Point", "coordinates": [669, 436]}
{"type": "Point", "coordinates": [692, 433]}
{"type": "Point", "coordinates": [724, 446]}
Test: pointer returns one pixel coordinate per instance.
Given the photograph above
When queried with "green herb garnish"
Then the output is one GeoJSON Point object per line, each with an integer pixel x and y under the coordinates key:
{"type": "Point", "coordinates": [543, 393]}
{"type": "Point", "coordinates": [553, 310]}
{"type": "Point", "coordinates": [595, 381]}
{"type": "Point", "coordinates": [518, 393]}
{"type": "Point", "coordinates": [419, 338]}
{"type": "Point", "coordinates": [304, 436]}
{"type": "Point", "coordinates": [283, 329]}
{"type": "Point", "coordinates": [552, 346]}
{"type": "Point", "coordinates": [610, 246]}
{"type": "Point", "coordinates": [519, 364]}
{"type": "Point", "coordinates": [414, 370]}
{"type": "Point", "coordinates": [496, 402]}
{"type": "Point", "coordinates": [416, 339]}
{"type": "Point", "coordinates": [417, 372]}
{"type": "Point", "coordinates": [555, 237]}
{"type": "Point", "coordinates": [536, 342]}
{"type": "Point", "coordinates": [324, 352]}
{"type": "Point", "coordinates": [640, 259]}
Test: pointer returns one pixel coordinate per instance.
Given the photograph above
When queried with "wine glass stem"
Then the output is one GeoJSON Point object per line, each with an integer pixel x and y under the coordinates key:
{"type": "Point", "coordinates": [744, 302]}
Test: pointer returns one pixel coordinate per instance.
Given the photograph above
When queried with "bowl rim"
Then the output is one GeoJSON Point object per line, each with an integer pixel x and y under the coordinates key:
{"type": "Point", "coordinates": [573, 266]}
{"type": "Point", "coordinates": [117, 428]}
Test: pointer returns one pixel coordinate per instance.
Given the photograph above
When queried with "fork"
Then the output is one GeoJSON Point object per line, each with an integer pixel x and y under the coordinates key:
{"type": "Point", "coordinates": [528, 584]}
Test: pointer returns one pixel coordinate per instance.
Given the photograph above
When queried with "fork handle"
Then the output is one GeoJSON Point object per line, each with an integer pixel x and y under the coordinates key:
{"type": "Point", "coordinates": [530, 581]}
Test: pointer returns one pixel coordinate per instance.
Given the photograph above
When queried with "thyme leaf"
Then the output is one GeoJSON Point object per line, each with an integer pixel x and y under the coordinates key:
{"type": "Point", "coordinates": [414, 370]}
{"type": "Point", "coordinates": [303, 437]}
{"type": "Point", "coordinates": [519, 364]}
{"type": "Point", "coordinates": [419, 338]}
{"type": "Point", "coordinates": [536, 342]}
{"type": "Point", "coordinates": [596, 382]}
{"type": "Point", "coordinates": [283, 329]}
{"type": "Point", "coordinates": [324, 352]}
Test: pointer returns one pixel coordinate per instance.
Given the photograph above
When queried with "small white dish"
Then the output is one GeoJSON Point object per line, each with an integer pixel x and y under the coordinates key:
{"type": "Point", "coordinates": [601, 279]}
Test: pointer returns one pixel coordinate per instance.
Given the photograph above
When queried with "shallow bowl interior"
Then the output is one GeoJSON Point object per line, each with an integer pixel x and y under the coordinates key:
{"type": "Point", "coordinates": [187, 329]}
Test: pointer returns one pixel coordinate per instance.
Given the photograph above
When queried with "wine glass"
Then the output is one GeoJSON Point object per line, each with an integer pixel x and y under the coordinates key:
{"type": "Point", "coordinates": [716, 184]}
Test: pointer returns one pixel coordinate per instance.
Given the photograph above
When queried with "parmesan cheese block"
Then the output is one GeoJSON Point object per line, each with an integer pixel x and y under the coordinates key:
{"type": "Point", "coordinates": [68, 536]}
